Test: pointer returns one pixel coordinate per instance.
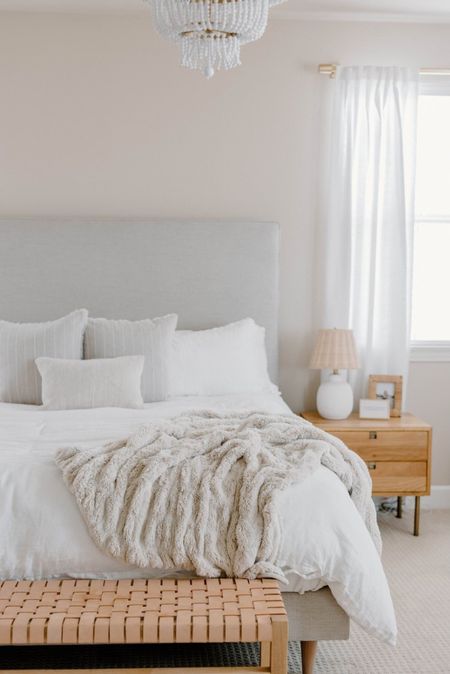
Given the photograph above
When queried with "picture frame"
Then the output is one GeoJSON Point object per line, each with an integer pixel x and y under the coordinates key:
{"type": "Point", "coordinates": [387, 387]}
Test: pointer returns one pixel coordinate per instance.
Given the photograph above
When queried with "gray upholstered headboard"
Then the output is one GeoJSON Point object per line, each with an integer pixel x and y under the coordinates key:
{"type": "Point", "coordinates": [209, 273]}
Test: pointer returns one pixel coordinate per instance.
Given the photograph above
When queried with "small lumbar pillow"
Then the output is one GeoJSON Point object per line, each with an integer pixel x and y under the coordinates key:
{"type": "Point", "coordinates": [22, 343]}
{"type": "Point", "coordinates": [152, 338]}
{"type": "Point", "coordinates": [228, 359]}
{"type": "Point", "coordinates": [82, 384]}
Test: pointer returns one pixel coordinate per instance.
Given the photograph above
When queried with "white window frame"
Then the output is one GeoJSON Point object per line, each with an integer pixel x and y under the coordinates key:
{"type": "Point", "coordinates": [431, 351]}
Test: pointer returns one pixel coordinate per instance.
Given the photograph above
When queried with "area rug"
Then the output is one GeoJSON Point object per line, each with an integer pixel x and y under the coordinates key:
{"type": "Point", "coordinates": [115, 657]}
{"type": "Point", "coordinates": [418, 570]}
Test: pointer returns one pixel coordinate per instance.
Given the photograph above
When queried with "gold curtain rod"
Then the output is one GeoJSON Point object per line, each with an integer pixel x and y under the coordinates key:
{"type": "Point", "coordinates": [330, 70]}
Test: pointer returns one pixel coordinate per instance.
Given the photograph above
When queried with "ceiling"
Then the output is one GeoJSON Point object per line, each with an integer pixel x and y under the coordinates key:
{"type": "Point", "coordinates": [398, 10]}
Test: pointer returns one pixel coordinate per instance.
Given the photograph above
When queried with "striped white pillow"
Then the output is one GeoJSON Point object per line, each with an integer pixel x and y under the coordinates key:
{"type": "Point", "coordinates": [151, 338]}
{"type": "Point", "coordinates": [22, 343]}
{"type": "Point", "coordinates": [85, 384]}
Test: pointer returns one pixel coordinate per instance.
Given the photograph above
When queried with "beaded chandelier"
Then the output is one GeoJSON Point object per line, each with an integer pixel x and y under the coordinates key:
{"type": "Point", "coordinates": [211, 32]}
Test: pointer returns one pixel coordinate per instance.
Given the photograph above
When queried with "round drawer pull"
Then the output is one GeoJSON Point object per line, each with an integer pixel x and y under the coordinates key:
{"type": "Point", "coordinates": [371, 466]}
{"type": "Point", "coordinates": [373, 435]}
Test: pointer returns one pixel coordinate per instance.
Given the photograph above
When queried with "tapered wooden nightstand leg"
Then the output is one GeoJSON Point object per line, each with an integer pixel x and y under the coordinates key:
{"type": "Point", "coordinates": [417, 516]}
{"type": "Point", "coordinates": [399, 507]}
{"type": "Point", "coordinates": [309, 649]}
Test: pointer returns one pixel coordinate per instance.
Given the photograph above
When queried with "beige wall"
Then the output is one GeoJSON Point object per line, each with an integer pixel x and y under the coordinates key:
{"type": "Point", "coordinates": [96, 118]}
{"type": "Point", "coordinates": [429, 396]}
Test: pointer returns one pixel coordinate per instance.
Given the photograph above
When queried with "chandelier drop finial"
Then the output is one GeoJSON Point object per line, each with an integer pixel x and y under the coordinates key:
{"type": "Point", "coordinates": [211, 32]}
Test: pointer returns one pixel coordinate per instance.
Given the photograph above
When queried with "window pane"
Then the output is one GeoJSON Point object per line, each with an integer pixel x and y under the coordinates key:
{"type": "Point", "coordinates": [431, 282]}
{"type": "Point", "coordinates": [433, 156]}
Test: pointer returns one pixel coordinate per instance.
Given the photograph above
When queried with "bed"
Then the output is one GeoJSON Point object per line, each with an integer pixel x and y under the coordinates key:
{"type": "Point", "coordinates": [210, 273]}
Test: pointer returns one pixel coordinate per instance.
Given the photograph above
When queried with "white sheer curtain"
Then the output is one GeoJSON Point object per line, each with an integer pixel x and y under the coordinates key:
{"type": "Point", "coordinates": [366, 243]}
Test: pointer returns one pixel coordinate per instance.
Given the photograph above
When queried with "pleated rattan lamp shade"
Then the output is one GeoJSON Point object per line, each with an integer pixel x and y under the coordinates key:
{"type": "Point", "coordinates": [335, 350]}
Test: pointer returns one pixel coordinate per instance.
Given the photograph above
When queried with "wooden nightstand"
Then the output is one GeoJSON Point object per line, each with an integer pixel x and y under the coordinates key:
{"type": "Point", "coordinates": [397, 452]}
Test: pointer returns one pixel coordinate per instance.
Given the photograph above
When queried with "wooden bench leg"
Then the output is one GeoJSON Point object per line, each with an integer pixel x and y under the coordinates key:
{"type": "Point", "coordinates": [309, 649]}
{"type": "Point", "coordinates": [279, 654]}
{"type": "Point", "coordinates": [265, 653]}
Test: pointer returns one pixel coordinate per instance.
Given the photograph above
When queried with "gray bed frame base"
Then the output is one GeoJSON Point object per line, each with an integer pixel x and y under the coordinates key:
{"type": "Point", "coordinates": [209, 273]}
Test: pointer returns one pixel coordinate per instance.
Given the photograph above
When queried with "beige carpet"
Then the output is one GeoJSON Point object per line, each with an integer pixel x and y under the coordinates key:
{"type": "Point", "coordinates": [418, 570]}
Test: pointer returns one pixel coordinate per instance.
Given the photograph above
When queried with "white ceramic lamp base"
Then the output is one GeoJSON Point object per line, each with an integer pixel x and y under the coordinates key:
{"type": "Point", "coordinates": [335, 398]}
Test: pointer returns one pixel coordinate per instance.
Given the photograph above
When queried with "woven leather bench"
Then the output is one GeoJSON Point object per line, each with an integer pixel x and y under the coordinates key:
{"type": "Point", "coordinates": [148, 611]}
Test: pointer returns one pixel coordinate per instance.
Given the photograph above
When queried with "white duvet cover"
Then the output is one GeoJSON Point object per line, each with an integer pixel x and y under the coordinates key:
{"type": "Point", "coordinates": [42, 533]}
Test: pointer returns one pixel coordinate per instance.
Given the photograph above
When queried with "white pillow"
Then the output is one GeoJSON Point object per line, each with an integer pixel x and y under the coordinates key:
{"type": "Point", "coordinates": [229, 359]}
{"type": "Point", "coordinates": [22, 343]}
{"type": "Point", "coordinates": [81, 384]}
{"type": "Point", "coordinates": [106, 338]}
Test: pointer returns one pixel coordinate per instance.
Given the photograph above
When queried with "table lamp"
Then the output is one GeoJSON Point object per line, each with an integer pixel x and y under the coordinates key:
{"type": "Point", "coordinates": [335, 350]}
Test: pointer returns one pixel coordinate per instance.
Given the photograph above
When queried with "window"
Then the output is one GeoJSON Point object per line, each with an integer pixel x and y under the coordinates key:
{"type": "Point", "coordinates": [430, 330]}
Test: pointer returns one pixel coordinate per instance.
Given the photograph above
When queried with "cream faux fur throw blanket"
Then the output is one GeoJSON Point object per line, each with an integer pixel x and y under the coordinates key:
{"type": "Point", "coordinates": [199, 491]}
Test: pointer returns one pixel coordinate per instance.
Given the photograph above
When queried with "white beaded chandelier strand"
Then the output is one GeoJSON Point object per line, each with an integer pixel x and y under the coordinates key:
{"type": "Point", "coordinates": [211, 32]}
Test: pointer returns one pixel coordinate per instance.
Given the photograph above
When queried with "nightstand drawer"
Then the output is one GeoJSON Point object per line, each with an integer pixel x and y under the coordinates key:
{"type": "Point", "coordinates": [387, 445]}
{"type": "Point", "coordinates": [398, 476]}
{"type": "Point", "coordinates": [397, 452]}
